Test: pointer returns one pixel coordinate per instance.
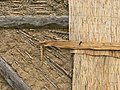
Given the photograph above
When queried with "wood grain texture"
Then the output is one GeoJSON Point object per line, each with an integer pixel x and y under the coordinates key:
{"type": "Point", "coordinates": [11, 77]}
{"type": "Point", "coordinates": [96, 73]}
{"type": "Point", "coordinates": [96, 21]}
{"type": "Point", "coordinates": [33, 21]}
{"type": "Point", "coordinates": [79, 45]}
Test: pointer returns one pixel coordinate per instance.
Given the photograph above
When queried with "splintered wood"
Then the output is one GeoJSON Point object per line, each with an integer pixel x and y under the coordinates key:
{"type": "Point", "coordinates": [95, 21]}
{"type": "Point", "coordinates": [79, 45]}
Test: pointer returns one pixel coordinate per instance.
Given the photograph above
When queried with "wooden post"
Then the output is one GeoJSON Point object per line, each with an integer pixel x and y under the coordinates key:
{"type": "Point", "coordinates": [98, 21]}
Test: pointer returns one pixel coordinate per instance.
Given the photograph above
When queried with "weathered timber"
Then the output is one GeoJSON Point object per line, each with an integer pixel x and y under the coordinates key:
{"type": "Point", "coordinates": [34, 22]}
{"type": "Point", "coordinates": [11, 77]}
{"type": "Point", "coordinates": [79, 45]}
{"type": "Point", "coordinates": [95, 70]}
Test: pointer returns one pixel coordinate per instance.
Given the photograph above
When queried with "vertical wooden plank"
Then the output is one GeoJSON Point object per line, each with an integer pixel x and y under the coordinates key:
{"type": "Point", "coordinates": [98, 21]}
{"type": "Point", "coordinates": [96, 73]}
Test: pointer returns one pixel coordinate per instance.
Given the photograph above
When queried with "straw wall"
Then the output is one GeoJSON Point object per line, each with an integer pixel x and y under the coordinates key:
{"type": "Point", "coordinates": [95, 21]}
{"type": "Point", "coordinates": [33, 7]}
{"type": "Point", "coordinates": [48, 71]}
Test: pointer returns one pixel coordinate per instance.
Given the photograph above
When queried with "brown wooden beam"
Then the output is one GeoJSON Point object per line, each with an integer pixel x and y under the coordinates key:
{"type": "Point", "coordinates": [79, 45]}
{"type": "Point", "coordinates": [34, 22]}
{"type": "Point", "coordinates": [11, 77]}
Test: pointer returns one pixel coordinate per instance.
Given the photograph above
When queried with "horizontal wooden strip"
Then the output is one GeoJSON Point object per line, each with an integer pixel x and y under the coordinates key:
{"type": "Point", "coordinates": [79, 45]}
{"type": "Point", "coordinates": [115, 54]}
{"type": "Point", "coordinates": [34, 21]}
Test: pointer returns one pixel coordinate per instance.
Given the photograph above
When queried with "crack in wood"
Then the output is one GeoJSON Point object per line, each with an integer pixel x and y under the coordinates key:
{"type": "Point", "coordinates": [79, 45]}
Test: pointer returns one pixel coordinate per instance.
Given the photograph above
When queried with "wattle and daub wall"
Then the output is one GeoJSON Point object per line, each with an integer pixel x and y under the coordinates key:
{"type": "Point", "coordinates": [17, 46]}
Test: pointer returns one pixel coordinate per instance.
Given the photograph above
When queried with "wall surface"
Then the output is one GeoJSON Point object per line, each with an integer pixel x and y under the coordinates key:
{"type": "Point", "coordinates": [33, 7]}
{"type": "Point", "coordinates": [48, 71]}
{"type": "Point", "coordinates": [19, 48]}
{"type": "Point", "coordinates": [95, 21]}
